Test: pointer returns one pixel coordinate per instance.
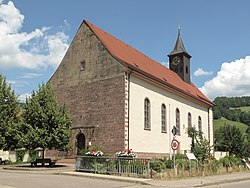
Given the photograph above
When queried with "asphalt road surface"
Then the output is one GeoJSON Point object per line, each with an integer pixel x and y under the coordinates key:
{"type": "Point", "coordinates": [13, 179]}
{"type": "Point", "coordinates": [41, 180]}
{"type": "Point", "coordinates": [241, 184]}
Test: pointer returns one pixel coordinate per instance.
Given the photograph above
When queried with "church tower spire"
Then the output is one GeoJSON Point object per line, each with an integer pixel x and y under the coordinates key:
{"type": "Point", "coordinates": [179, 59]}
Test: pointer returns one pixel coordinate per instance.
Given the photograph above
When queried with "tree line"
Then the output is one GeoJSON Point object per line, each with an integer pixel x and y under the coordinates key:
{"type": "Point", "coordinates": [39, 122]}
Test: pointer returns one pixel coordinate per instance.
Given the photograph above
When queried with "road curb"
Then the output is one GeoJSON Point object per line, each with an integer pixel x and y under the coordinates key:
{"type": "Point", "coordinates": [107, 177]}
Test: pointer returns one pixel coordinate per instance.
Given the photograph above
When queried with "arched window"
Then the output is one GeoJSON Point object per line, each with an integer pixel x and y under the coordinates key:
{"type": "Point", "coordinates": [147, 114]}
{"type": "Point", "coordinates": [163, 119]}
{"type": "Point", "coordinates": [199, 123]}
{"type": "Point", "coordinates": [177, 115]}
{"type": "Point", "coordinates": [189, 120]}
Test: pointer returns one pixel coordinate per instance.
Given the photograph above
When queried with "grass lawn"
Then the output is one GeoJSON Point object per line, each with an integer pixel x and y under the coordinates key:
{"type": "Point", "coordinates": [220, 122]}
{"type": "Point", "coordinates": [243, 108]}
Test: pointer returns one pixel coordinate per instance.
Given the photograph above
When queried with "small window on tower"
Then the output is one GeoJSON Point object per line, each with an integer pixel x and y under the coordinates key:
{"type": "Point", "coordinates": [186, 69]}
{"type": "Point", "coordinates": [82, 66]}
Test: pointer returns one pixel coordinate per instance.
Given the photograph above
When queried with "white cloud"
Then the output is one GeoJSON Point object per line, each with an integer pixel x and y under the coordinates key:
{"type": "Point", "coordinates": [232, 80]}
{"type": "Point", "coordinates": [201, 72]}
{"type": "Point", "coordinates": [23, 97]}
{"type": "Point", "coordinates": [17, 83]}
{"type": "Point", "coordinates": [166, 64]}
{"type": "Point", "coordinates": [30, 75]}
{"type": "Point", "coordinates": [31, 50]}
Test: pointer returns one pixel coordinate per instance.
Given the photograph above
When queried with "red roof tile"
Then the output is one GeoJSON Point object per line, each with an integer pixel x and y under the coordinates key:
{"type": "Point", "coordinates": [140, 62]}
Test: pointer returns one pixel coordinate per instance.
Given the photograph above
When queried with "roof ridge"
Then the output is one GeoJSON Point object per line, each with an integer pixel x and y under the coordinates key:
{"type": "Point", "coordinates": [133, 58]}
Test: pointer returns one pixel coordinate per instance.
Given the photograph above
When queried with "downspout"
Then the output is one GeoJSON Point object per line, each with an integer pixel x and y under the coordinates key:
{"type": "Point", "coordinates": [169, 131]}
{"type": "Point", "coordinates": [128, 102]}
{"type": "Point", "coordinates": [208, 119]}
{"type": "Point", "coordinates": [211, 127]}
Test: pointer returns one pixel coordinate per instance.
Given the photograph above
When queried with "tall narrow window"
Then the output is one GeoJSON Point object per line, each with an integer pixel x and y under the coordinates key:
{"type": "Point", "coordinates": [186, 69]}
{"type": "Point", "coordinates": [147, 114]}
{"type": "Point", "coordinates": [177, 114]}
{"type": "Point", "coordinates": [189, 120]}
{"type": "Point", "coordinates": [82, 68]}
{"type": "Point", "coordinates": [163, 119]}
{"type": "Point", "coordinates": [199, 123]}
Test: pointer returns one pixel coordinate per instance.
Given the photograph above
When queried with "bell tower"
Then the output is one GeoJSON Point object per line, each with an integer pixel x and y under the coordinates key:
{"type": "Point", "coordinates": [179, 59]}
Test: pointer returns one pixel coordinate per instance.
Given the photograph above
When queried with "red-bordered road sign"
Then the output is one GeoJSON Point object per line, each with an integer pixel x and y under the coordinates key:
{"type": "Point", "coordinates": [175, 144]}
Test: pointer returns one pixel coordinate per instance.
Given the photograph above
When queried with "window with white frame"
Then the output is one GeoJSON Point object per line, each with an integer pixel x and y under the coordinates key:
{"type": "Point", "coordinates": [147, 114]}
{"type": "Point", "coordinates": [163, 119]}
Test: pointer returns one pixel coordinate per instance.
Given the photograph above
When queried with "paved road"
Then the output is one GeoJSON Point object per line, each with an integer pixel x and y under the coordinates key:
{"type": "Point", "coordinates": [42, 180]}
{"type": "Point", "coordinates": [242, 184]}
{"type": "Point", "coordinates": [48, 179]}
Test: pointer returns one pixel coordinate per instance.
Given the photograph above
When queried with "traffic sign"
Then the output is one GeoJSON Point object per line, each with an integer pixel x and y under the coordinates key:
{"type": "Point", "coordinates": [174, 130]}
{"type": "Point", "coordinates": [175, 144]}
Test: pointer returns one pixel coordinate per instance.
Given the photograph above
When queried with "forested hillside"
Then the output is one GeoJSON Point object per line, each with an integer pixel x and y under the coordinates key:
{"type": "Point", "coordinates": [232, 125]}
{"type": "Point", "coordinates": [234, 109]}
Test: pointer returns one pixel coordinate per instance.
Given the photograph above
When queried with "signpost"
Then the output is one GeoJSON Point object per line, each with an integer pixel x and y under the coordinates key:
{"type": "Point", "coordinates": [174, 145]}
{"type": "Point", "coordinates": [191, 157]}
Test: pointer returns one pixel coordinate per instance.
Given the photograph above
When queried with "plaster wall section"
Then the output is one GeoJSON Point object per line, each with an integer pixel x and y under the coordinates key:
{"type": "Point", "coordinates": [154, 141]}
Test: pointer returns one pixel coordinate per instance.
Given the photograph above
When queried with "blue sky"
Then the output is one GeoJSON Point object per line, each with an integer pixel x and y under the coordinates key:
{"type": "Point", "coordinates": [34, 36]}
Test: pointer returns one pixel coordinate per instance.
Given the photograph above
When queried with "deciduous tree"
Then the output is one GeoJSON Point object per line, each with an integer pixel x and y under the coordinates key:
{"type": "Point", "coordinates": [229, 138]}
{"type": "Point", "coordinates": [200, 146]}
{"type": "Point", "coordinates": [9, 117]}
{"type": "Point", "coordinates": [47, 124]}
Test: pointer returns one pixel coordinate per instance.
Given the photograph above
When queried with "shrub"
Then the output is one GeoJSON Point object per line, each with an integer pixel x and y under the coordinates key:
{"type": "Point", "coordinates": [180, 156]}
{"type": "Point", "coordinates": [157, 165]}
{"type": "Point", "coordinates": [20, 155]}
{"type": "Point", "coordinates": [169, 163]}
{"type": "Point", "coordinates": [82, 152]}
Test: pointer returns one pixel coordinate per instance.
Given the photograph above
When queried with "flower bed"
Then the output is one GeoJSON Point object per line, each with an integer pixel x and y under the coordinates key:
{"type": "Point", "coordinates": [126, 153]}
{"type": "Point", "coordinates": [94, 153]}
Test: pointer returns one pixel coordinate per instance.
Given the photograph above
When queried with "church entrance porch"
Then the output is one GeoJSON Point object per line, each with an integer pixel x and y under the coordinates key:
{"type": "Point", "coordinates": [83, 136]}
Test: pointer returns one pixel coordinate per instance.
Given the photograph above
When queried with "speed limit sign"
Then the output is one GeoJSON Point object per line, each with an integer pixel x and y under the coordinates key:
{"type": "Point", "coordinates": [175, 144]}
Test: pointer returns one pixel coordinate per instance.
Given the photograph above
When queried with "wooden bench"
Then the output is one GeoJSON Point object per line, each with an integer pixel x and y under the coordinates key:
{"type": "Point", "coordinates": [43, 162]}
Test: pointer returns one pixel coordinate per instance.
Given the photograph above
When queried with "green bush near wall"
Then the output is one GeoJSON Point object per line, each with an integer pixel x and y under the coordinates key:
{"type": "Point", "coordinates": [19, 155]}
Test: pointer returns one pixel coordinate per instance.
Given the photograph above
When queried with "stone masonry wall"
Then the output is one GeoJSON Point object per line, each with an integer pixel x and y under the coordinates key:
{"type": "Point", "coordinates": [94, 93]}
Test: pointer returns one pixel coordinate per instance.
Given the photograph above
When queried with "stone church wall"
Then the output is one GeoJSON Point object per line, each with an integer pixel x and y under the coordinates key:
{"type": "Point", "coordinates": [92, 85]}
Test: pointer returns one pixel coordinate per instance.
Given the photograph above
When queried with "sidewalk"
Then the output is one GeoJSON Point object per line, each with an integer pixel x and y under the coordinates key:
{"type": "Point", "coordinates": [203, 181]}
{"type": "Point", "coordinates": [188, 182]}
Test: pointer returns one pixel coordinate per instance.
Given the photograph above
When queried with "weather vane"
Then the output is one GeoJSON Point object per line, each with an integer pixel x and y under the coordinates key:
{"type": "Point", "coordinates": [179, 27]}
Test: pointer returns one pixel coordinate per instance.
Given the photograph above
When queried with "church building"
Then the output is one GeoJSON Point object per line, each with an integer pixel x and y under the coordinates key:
{"type": "Point", "coordinates": [122, 99]}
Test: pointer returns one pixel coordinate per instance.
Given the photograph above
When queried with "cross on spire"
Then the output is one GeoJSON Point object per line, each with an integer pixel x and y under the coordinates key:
{"type": "Point", "coordinates": [179, 28]}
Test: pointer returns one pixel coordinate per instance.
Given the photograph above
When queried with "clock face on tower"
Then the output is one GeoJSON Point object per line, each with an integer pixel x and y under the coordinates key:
{"type": "Point", "coordinates": [176, 60]}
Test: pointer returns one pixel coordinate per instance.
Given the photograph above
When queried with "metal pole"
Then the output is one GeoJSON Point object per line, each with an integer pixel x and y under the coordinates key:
{"type": "Point", "coordinates": [149, 174]}
{"type": "Point", "coordinates": [174, 164]}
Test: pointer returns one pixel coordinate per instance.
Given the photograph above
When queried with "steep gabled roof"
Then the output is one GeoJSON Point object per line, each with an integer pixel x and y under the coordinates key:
{"type": "Point", "coordinates": [145, 65]}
